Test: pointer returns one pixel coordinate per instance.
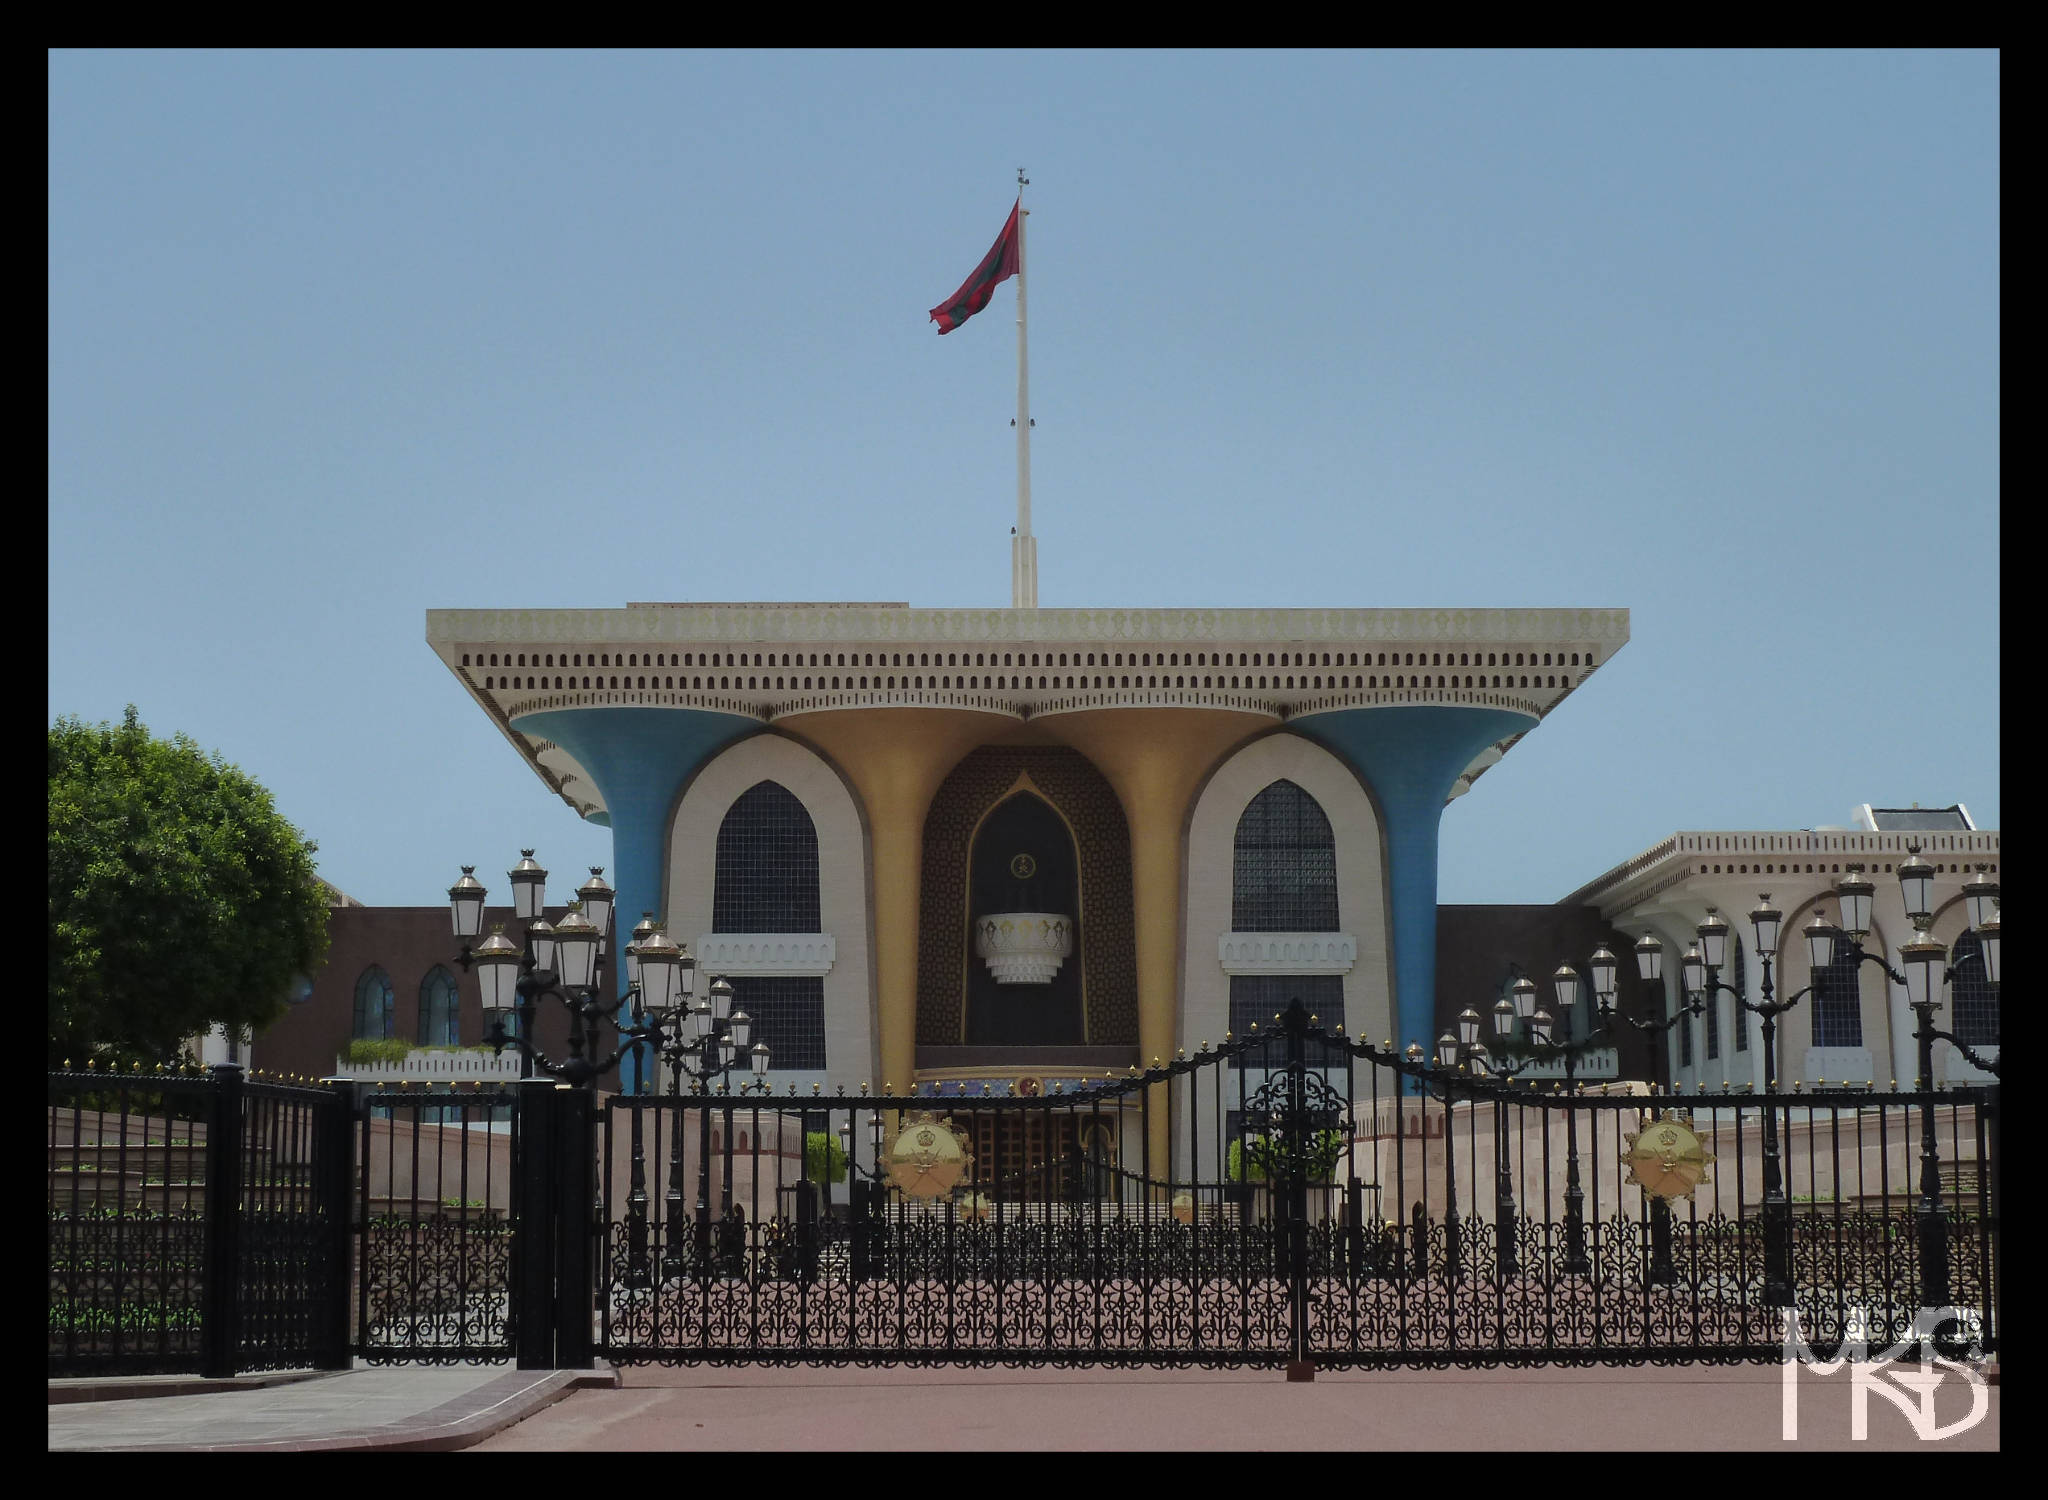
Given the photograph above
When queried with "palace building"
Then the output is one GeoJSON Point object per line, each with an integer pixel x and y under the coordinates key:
{"type": "Point", "coordinates": [1025, 844]}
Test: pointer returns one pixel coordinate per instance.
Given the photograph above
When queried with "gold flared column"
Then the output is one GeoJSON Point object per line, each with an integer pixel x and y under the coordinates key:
{"type": "Point", "coordinates": [895, 759]}
{"type": "Point", "coordinates": [1156, 760]}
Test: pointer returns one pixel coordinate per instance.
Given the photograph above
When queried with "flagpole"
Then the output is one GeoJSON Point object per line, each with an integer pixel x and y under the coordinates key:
{"type": "Point", "coordinates": [1024, 546]}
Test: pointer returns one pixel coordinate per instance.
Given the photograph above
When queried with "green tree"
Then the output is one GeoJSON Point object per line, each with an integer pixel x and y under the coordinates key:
{"type": "Point", "coordinates": [1324, 1150]}
{"type": "Point", "coordinates": [824, 1159]}
{"type": "Point", "coordinates": [179, 898]}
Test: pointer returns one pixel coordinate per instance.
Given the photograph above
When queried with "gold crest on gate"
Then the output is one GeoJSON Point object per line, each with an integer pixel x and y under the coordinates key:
{"type": "Point", "coordinates": [1666, 1158]}
{"type": "Point", "coordinates": [929, 1157]}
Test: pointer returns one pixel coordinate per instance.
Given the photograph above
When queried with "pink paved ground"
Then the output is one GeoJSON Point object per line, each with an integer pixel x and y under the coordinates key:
{"type": "Point", "coordinates": [1661, 1412]}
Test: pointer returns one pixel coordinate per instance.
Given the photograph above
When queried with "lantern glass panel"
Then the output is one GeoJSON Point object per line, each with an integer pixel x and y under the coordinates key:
{"type": "Point", "coordinates": [1923, 975]}
{"type": "Point", "coordinates": [1713, 934]}
{"type": "Point", "coordinates": [1916, 886]}
{"type": "Point", "coordinates": [1855, 893]}
{"type": "Point", "coordinates": [1603, 964]}
{"type": "Point", "coordinates": [576, 952]}
{"type": "Point", "coordinates": [466, 904]}
{"type": "Point", "coordinates": [529, 887]}
{"type": "Point", "coordinates": [596, 898]}
{"type": "Point", "coordinates": [1764, 922]}
{"type": "Point", "coordinates": [1980, 897]}
{"type": "Point", "coordinates": [1820, 943]}
{"type": "Point", "coordinates": [498, 981]}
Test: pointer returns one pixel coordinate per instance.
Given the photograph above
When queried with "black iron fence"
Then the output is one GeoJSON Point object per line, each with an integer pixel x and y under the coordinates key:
{"type": "Point", "coordinates": [1237, 1207]}
{"type": "Point", "coordinates": [437, 1200]}
{"type": "Point", "coordinates": [197, 1223]}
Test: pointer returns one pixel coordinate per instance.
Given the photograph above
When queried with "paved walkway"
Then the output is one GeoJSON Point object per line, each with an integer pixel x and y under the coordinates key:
{"type": "Point", "coordinates": [755, 1408]}
{"type": "Point", "coordinates": [1661, 1412]}
{"type": "Point", "coordinates": [402, 1409]}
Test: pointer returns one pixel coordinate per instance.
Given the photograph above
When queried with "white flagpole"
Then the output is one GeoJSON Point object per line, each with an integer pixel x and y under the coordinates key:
{"type": "Point", "coordinates": [1023, 546]}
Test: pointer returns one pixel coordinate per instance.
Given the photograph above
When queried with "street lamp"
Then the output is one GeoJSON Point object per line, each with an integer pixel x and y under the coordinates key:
{"type": "Point", "coordinates": [1927, 970]}
{"type": "Point", "coordinates": [1567, 986]}
{"type": "Point", "coordinates": [707, 1041]}
{"type": "Point", "coordinates": [563, 960]}
{"type": "Point", "coordinates": [1927, 973]}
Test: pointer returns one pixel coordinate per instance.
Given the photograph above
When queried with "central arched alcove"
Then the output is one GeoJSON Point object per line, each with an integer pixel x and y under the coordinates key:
{"type": "Point", "coordinates": [1024, 860]}
{"type": "Point", "coordinates": [966, 830]}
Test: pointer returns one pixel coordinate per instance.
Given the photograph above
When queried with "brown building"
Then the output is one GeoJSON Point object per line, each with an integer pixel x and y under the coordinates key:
{"type": "Point", "coordinates": [1481, 950]}
{"type": "Point", "coordinates": [391, 975]}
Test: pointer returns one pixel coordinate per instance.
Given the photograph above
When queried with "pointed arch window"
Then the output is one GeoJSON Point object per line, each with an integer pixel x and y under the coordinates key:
{"type": "Point", "coordinates": [440, 1010]}
{"type": "Point", "coordinates": [767, 869]}
{"type": "Point", "coordinates": [1838, 1002]}
{"type": "Point", "coordinates": [374, 1006]}
{"type": "Point", "coordinates": [1284, 864]}
{"type": "Point", "coordinates": [1976, 998]}
{"type": "Point", "coordinates": [1739, 977]}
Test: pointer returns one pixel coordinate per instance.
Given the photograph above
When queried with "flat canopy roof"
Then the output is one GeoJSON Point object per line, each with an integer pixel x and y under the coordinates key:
{"type": "Point", "coordinates": [768, 660]}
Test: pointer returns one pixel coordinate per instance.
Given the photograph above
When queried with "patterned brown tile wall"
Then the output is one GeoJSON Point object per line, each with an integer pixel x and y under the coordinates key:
{"type": "Point", "coordinates": [1108, 953]}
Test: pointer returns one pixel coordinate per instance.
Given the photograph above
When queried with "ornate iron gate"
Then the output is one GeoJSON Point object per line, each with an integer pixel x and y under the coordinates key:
{"type": "Point", "coordinates": [1293, 1197]}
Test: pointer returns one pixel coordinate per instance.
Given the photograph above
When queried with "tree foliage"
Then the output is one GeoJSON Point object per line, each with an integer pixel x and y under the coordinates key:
{"type": "Point", "coordinates": [1258, 1159]}
{"type": "Point", "coordinates": [824, 1160]}
{"type": "Point", "coordinates": [179, 898]}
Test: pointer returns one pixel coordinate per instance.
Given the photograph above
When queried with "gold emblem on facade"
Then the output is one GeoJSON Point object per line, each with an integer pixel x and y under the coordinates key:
{"type": "Point", "coordinates": [929, 1157]}
{"type": "Point", "coordinates": [1023, 866]}
{"type": "Point", "coordinates": [1666, 1158]}
{"type": "Point", "coordinates": [1030, 1086]}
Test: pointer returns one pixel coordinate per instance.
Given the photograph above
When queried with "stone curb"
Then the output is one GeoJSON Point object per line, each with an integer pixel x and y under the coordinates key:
{"type": "Point", "coordinates": [65, 1391]}
{"type": "Point", "coordinates": [466, 1420]}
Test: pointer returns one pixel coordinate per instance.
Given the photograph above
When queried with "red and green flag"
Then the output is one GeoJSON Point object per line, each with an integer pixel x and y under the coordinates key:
{"type": "Point", "coordinates": [999, 265]}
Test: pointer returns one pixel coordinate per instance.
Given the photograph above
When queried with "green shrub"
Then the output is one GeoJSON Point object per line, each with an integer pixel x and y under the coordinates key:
{"type": "Point", "coordinates": [1257, 1157]}
{"type": "Point", "coordinates": [369, 1050]}
{"type": "Point", "coordinates": [824, 1159]}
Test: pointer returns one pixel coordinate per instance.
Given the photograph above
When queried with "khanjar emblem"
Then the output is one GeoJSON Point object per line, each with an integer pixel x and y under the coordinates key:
{"type": "Point", "coordinates": [1666, 1158]}
{"type": "Point", "coordinates": [929, 1157]}
{"type": "Point", "coordinates": [1023, 866]}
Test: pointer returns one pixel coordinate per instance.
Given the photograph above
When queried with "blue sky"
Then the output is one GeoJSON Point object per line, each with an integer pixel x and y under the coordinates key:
{"type": "Point", "coordinates": [337, 338]}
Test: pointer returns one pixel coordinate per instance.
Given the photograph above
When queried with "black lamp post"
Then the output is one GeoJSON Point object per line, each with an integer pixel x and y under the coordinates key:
{"type": "Point", "coordinates": [864, 1199]}
{"type": "Point", "coordinates": [564, 961]}
{"type": "Point", "coordinates": [1506, 1069]}
{"type": "Point", "coordinates": [706, 1043]}
{"type": "Point", "coordinates": [1566, 984]}
{"type": "Point", "coordinates": [1700, 974]}
{"type": "Point", "coordinates": [1439, 1081]}
{"type": "Point", "coordinates": [1927, 973]}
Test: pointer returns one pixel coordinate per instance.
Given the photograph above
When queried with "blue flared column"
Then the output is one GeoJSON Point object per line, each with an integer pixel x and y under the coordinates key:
{"type": "Point", "coordinates": [1411, 757]}
{"type": "Point", "coordinates": [639, 758]}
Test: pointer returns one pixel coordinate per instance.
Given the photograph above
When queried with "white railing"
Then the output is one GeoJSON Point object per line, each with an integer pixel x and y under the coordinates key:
{"type": "Point", "coordinates": [434, 1065]}
{"type": "Point", "coordinates": [1596, 1063]}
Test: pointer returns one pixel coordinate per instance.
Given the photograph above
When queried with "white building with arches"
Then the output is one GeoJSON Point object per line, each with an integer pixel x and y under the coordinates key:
{"type": "Point", "coordinates": [1855, 1026]}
